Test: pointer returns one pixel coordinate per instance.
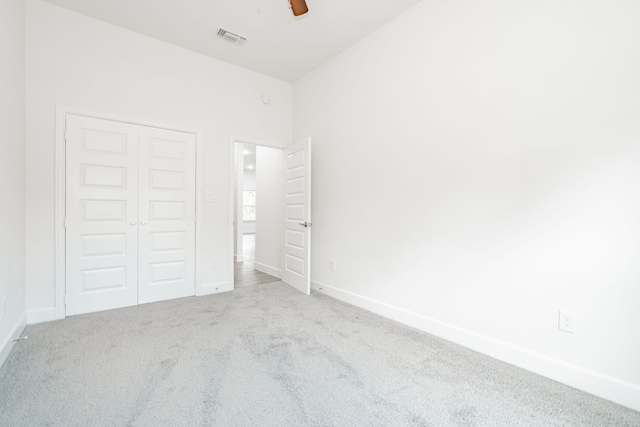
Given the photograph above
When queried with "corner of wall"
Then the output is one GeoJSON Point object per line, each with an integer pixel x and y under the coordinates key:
{"type": "Point", "coordinates": [8, 344]}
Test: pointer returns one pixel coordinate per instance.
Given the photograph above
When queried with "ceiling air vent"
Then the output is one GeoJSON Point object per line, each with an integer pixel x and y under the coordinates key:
{"type": "Point", "coordinates": [231, 37]}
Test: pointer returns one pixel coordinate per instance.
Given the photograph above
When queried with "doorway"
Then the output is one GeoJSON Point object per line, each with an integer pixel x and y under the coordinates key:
{"type": "Point", "coordinates": [283, 220]}
{"type": "Point", "coordinates": [258, 213]}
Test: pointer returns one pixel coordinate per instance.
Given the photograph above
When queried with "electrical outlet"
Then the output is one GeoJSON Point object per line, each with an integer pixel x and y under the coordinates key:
{"type": "Point", "coordinates": [332, 265]}
{"type": "Point", "coordinates": [567, 322]}
{"type": "Point", "coordinates": [214, 263]}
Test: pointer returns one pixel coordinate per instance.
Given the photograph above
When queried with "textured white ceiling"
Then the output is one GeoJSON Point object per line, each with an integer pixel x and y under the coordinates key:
{"type": "Point", "coordinates": [279, 44]}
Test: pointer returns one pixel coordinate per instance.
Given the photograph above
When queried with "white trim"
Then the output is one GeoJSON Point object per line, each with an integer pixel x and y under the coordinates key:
{"type": "Point", "coordinates": [272, 271]}
{"type": "Point", "coordinates": [242, 140]}
{"type": "Point", "coordinates": [123, 119]}
{"type": "Point", "coordinates": [215, 288]}
{"type": "Point", "coordinates": [233, 257]}
{"type": "Point", "coordinates": [601, 385]}
{"type": "Point", "coordinates": [60, 195]}
{"type": "Point", "coordinates": [8, 343]}
{"type": "Point", "coordinates": [231, 197]}
{"type": "Point", "coordinates": [41, 316]}
{"type": "Point", "coordinates": [238, 200]}
{"type": "Point", "coordinates": [199, 213]}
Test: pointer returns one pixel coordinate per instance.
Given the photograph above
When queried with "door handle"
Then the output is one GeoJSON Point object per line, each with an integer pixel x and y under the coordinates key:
{"type": "Point", "coordinates": [143, 223]}
{"type": "Point", "coordinates": [305, 224]}
{"type": "Point", "coordinates": [132, 223]}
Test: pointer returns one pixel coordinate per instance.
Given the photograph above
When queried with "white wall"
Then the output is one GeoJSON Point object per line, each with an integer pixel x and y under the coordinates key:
{"type": "Point", "coordinates": [270, 210]}
{"type": "Point", "coordinates": [476, 170]}
{"type": "Point", "coordinates": [12, 169]}
{"type": "Point", "coordinates": [80, 62]}
{"type": "Point", "coordinates": [249, 180]}
{"type": "Point", "coordinates": [249, 184]}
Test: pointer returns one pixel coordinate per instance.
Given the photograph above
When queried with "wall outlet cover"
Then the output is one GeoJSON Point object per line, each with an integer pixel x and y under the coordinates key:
{"type": "Point", "coordinates": [567, 321]}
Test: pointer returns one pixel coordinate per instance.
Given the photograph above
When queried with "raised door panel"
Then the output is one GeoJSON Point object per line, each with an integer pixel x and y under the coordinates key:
{"type": "Point", "coordinates": [101, 214]}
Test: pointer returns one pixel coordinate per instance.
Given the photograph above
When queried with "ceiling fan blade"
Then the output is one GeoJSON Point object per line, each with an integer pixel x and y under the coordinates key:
{"type": "Point", "coordinates": [299, 7]}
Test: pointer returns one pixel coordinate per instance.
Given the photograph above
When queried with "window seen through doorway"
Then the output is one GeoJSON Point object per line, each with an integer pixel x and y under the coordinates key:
{"type": "Point", "coordinates": [249, 205]}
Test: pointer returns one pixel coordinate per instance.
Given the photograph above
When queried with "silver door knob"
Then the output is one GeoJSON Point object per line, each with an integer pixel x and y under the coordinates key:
{"type": "Point", "coordinates": [143, 223]}
{"type": "Point", "coordinates": [132, 223]}
{"type": "Point", "coordinates": [305, 224]}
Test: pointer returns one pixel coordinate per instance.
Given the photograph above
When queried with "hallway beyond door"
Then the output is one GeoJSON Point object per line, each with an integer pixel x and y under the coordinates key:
{"type": "Point", "coordinates": [244, 272]}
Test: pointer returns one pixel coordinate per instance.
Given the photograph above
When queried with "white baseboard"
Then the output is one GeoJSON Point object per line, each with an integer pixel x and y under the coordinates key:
{"type": "Point", "coordinates": [49, 314]}
{"type": "Point", "coordinates": [272, 271]}
{"type": "Point", "coordinates": [601, 385]}
{"type": "Point", "coordinates": [8, 344]}
{"type": "Point", "coordinates": [238, 258]}
{"type": "Point", "coordinates": [41, 316]}
{"type": "Point", "coordinates": [214, 288]}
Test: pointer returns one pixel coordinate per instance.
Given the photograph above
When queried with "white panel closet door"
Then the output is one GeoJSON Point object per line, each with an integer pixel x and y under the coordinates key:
{"type": "Point", "coordinates": [101, 215]}
{"type": "Point", "coordinates": [167, 215]}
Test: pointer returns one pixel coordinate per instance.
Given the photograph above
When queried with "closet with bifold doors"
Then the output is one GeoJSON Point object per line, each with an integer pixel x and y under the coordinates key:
{"type": "Point", "coordinates": [129, 214]}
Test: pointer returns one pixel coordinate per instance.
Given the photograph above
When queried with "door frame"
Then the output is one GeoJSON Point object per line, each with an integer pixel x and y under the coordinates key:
{"type": "Point", "coordinates": [232, 203]}
{"type": "Point", "coordinates": [60, 195]}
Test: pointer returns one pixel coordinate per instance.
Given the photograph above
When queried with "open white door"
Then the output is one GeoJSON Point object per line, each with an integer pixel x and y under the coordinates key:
{"type": "Point", "coordinates": [297, 223]}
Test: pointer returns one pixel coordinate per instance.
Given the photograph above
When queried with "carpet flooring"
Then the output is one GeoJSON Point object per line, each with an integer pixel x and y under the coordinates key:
{"type": "Point", "coordinates": [269, 356]}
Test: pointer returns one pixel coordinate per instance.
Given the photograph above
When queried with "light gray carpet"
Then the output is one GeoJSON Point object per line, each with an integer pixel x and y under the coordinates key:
{"type": "Point", "coordinates": [270, 356]}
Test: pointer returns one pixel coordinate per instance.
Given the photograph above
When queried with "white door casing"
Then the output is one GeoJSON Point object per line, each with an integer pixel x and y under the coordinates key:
{"type": "Point", "coordinates": [167, 215]}
{"type": "Point", "coordinates": [129, 214]}
{"type": "Point", "coordinates": [101, 215]}
{"type": "Point", "coordinates": [297, 222]}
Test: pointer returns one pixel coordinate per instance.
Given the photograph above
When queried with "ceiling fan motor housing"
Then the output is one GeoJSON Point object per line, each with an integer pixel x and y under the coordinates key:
{"type": "Point", "coordinates": [299, 7]}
